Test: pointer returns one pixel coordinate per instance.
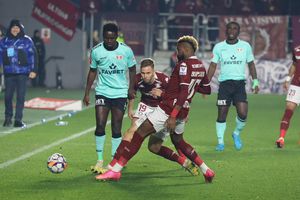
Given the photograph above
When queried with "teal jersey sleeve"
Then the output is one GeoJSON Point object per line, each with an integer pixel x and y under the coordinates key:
{"type": "Point", "coordinates": [93, 60]}
{"type": "Point", "coordinates": [131, 58]}
{"type": "Point", "coordinates": [250, 56]}
{"type": "Point", "coordinates": [215, 56]}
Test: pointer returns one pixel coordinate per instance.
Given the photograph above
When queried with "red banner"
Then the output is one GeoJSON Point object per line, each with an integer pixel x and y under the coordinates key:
{"type": "Point", "coordinates": [59, 15]}
{"type": "Point", "coordinates": [296, 30]}
{"type": "Point", "coordinates": [266, 34]}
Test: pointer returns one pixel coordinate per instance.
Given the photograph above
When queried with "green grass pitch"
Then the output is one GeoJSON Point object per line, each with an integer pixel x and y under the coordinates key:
{"type": "Point", "coordinates": [258, 171]}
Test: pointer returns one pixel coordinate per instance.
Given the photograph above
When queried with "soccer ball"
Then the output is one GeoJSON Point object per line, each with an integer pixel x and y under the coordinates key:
{"type": "Point", "coordinates": [57, 163]}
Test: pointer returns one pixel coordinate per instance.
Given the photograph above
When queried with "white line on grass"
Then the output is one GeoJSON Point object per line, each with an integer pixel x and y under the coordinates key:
{"type": "Point", "coordinates": [37, 123]}
{"type": "Point", "coordinates": [43, 148]}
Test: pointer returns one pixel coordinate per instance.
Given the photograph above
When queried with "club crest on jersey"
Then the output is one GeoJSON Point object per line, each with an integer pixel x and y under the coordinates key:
{"type": "Point", "coordinates": [119, 57]}
{"type": "Point", "coordinates": [183, 69]}
{"type": "Point", "coordinates": [239, 49]}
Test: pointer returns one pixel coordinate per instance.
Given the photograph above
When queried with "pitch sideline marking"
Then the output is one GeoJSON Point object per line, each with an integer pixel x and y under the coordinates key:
{"type": "Point", "coordinates": [43, 148]}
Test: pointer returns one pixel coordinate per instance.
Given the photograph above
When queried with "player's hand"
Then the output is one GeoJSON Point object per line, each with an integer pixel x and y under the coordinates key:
{"type": "Point", "coordinates": [286, 85]}
{"type": "Point", "coordinates": [170, 124]}
{"type": "Point", "coordinates": [86, 100]}
{"type": "Point", "coordinates": [155, 92]}
{"type": "Point", "coordinates": [255, 90]}
{"type": "Point", "coordinates": [32, 75]}
{"type": "Point", "coordinates": [130, 114]}
{"type": "Point", "coordinates": [131, 93]}
{"type": "Point", "coordinates": [255, 86]}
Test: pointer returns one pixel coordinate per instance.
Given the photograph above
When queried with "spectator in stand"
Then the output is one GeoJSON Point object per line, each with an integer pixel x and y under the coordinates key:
{"type": "Point", "coordinates": [147, 6]}
{"type": "Point", "coordinates": [271, 7]}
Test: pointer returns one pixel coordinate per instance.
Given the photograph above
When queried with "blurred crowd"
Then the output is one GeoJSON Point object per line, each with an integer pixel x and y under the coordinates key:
{"type": "Point", "coordinates": [212, 7]}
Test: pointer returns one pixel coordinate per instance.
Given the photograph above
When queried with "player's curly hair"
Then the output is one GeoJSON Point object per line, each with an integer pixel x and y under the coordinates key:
{"type": "Point", "coordinates": [189, 39]}
{"type": "Point", "coordinates": [147, 62]}
{"type": "Point", "coordinates": [111, 27]}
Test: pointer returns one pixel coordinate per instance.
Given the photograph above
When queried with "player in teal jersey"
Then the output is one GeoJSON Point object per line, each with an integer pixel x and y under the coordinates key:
{"type": "Point", "coordinates": [110, 61]}
{"type": "Point", "coordinates": [233, 55]}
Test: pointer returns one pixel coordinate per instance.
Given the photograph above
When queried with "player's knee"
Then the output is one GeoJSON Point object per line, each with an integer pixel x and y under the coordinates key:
{"type": "Point", "coordinates": [242, 117]}
{"type": "Point", "coordinates": [99, 133]}
{"type": "Point", "coordinates": [175, 139]}
{"type": "Point", "coordinates": [116, 135]}
{"type": "Point", "coordinates": [153, 148]}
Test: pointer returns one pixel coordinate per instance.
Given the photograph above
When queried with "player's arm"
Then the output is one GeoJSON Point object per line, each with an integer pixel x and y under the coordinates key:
{"type": "Point", "coordinates": [255, 82]}
{"type": "Point", "coordinates": [132, 73]}
{"type": "Point", "coordinates": [90, 80]}
{"type": "Point", "coordinates": [131, 108]}
{"type": "Point", "coordinates": [204, 86]}
{"type": "Point", "coordinates": [182, 96]}
{"type": "Point", "coordinates": [290, 76]}
{"type": "Point", "coordinates": [211, 70]}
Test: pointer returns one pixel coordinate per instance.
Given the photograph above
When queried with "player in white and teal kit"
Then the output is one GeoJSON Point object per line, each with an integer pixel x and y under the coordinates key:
{"type": "Point", "coordinates": [233, 55]}
{"type": "Point", "coordinates": [110, 62]}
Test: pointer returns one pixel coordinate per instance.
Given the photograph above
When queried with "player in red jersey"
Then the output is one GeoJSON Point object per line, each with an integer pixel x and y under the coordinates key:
{"type": "Point", "coordinates": [188, 74]}
{"type": "Point", "coordinates": [151, 84]}
{"type": "Point", "coordinates": [293, 96]}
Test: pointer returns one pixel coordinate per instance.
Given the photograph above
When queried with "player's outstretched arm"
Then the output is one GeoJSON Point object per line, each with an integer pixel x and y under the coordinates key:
{"type": "Point", "coordinates": [132, 73]}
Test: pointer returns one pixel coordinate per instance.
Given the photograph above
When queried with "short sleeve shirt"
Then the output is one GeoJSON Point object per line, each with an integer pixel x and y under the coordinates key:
{"type": "Point", "coordinates": [112, 67]}
{"type": "Point", "coordinates": [233, 59]}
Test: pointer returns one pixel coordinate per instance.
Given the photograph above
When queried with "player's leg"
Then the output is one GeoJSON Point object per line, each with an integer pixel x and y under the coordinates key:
{"type": "Point", "coordinates": [189, 151]}
{"type": "Point", "coordinates": [242, 110]}
{"type": "Point", "coordinates": [155, 146]}
{"type": "Point", "coordinates": [117, 112]}
{"type": "Point", "coordinates": [154, 122]}
{"type": "Point", "coordinates": [102, 110]}
{"type": "Point", "coordinates": [241, 104]}
{"type": "Point", "coordinates": [129, 151]}
{"type": "Point", "coordinates": [221, 126]}
{"type": "Point", "coordinates": [223, 103]}
{"type": "Point", "coordinates": [292, 101]}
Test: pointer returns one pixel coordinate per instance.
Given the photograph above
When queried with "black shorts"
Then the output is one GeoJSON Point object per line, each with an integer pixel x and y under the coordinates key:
{"type": "Point", "coordinates": [231, 91]}
{"type": "Point", "coordinates": [120, 103]}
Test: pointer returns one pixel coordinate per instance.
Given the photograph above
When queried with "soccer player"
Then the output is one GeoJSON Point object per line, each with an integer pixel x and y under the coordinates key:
{"type": "Point", "coordinates": [151, 84]}
{"type": "Point", "coordinates": [233, 54]}
{"type": "Point", "coordinates": [293, 95]}
{"type": "Point", "coordinates": [172, 111]}
{"type": "Point", "coordinates": [110, 61]}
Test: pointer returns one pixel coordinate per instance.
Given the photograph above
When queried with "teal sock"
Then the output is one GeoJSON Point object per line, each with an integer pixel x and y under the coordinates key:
{"type": "Point", "coordinates": [240, 124]}
{"type": "Point", "coordinates": [100, 140]}
{"type": "Point", "coordinates": [220, 127]}
{"type": "Point", "coordinates": [115, 142]}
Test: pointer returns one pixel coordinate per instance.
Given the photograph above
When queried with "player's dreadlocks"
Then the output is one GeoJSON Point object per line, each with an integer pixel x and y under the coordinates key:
{"type": "Point", "coordinates": [189, 39]}
{"type": "Point", "coordinates": [147, 62]}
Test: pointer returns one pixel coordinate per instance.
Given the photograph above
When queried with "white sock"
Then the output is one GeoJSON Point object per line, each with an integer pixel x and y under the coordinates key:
{"type": "Point", "coordinates": [117, 167]}
{"type": "Point", "coordinates": [203, 168]}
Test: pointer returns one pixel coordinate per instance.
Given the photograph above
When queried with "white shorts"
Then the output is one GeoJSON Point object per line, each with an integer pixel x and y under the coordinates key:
{"type": "Point", "coordinates": [158, 118]}
{"type": "Point", "coordinates": [142, 112]}
{"type": "Point", "coordinates": [293, 94]}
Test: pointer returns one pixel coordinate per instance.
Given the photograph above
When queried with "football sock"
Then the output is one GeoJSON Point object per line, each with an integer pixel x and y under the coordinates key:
{"type": "Point", "coordinates": [220, 127]}
{"type": "Point", "coordinates": [180, 153]}
{"type": "Point", "coordinates": [285, 122]}
{"type": "Point", "coordinates": [115, 142]}
{"type": "Point", "coordinates": [100, 140]}
{"type": "Point", "coordinates": [170, 155]}
{"type": "Point", "coordinates": [203, 168]}
{"type": "Point", "coordinates": [190, 152]}
{"type": "Point", "coordinates": [129, 151]}
{"type": "Point", "coordinates": [119, 152]}
{"type": "Point", "coordinates": [240, 124]}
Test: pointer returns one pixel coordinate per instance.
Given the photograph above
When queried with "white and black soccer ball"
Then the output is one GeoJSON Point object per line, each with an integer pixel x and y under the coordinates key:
{"type": "Point", "coordinates": [57, 163]}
